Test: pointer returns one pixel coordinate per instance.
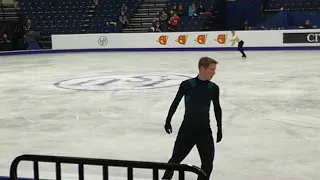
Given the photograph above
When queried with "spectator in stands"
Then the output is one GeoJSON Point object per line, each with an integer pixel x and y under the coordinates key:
{"type": "Point", "coordinates": [262, 27]}
{"type": "Point", "coordinates": [245, 25]}
{"type": "Point", "coordinates": [171, 14]}
{"type": "Point", "coordinates": [173, 23]}
{"type": "Point", "coordinates": [180, 10]}
{"type": "Point", "coordinates": [192, 10]}
{"type": "Point", "coordinates": [163, 21]}
{"type": "Point", "coordinates": [123, 21]}
{"type": "Point", "coordinates": [307, 25]}
{"type": "Point", "coordinates": [157, 27]}
{"type": "Point", "coordinates": [5, 38]}
{"type": "Point", "coordinates": [96, 2]}
{"type": "Point", "coordinates": [30, 34]}
{"type": "Point", "coordinates": [175, 9]}
{"type": "Point", "coordinates": [201, 10]}
{"type": "Point", "coordinates": [163, 16]}
{"type": "Point", "coordinates": [156, 20]}
{"type": "Point", "coordinates": [28, 26]}
{"type": "Point", "coordinates": [5, 43]}
{"type": "Point", "coordinates": [124, 8]}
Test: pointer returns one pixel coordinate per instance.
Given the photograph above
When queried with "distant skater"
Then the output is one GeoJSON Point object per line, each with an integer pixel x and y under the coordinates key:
{"type": "Point", "coordinates": [240, 42]}
{"type": "Point", "coordinates": [195, 129]}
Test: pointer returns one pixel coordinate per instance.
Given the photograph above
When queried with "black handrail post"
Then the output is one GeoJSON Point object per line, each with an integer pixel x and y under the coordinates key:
{"type": "Point", "coordinates": [36, 170]}
{"type": "Point", "coordinates": [181, 175]}
{"type": "Point", "coordinates": [81, 171]}
{"type": "Point", "coordinates": [58, 171]}
{"type": "Point", "coordinates": [155, 174]}
{"type": "Point", "coordinates": [105, 172]}
{"type": "Point", "coordinates": [130, 173]}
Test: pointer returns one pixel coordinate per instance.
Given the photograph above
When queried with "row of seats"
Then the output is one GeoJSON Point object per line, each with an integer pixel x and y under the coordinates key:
{"type": "Point", "coordinates": [194, 1]}
{"type": "Point", "coordinates": [58, 16]}
{"type": "Point", "coordinates": [293, 4]}
{"type": "Point", "coordinates": [192, 23]}
{"type": "Point", "coordinates": [56, 2]}
{"type": "Point", "coordinates": [49, 9]}
{"type": "Point", "coordinates": [53, 12]}
{"type": "Point", "coordinates": [76, 11]}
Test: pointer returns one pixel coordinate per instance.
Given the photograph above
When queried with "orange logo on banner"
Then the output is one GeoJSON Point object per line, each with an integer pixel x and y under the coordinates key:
{"type": "Point", "coordinates": [182, 39]}
{"type": "Point", "coordinates": [201, 39]}
{"type": "Point", "coordinates": [163, 40]}
{"type": "Point", "coordinates": [221, 38]}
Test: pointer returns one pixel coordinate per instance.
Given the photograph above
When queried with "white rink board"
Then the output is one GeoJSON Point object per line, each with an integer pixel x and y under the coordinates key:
{"type": "Point", "coordinates": [217, 39]}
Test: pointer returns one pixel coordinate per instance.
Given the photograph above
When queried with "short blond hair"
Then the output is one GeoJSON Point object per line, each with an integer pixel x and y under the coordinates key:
{"type": "Point", "coordinates": [206, 62]}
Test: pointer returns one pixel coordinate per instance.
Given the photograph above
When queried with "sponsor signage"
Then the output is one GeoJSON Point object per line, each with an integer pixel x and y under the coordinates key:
{"type": "Point", "coordinates": [182, 39]}
{"type": "Point", "coordinates": [207, 39]}
{"type": "Point", "coordinates": [199, 39]}
{"type": "Point", "coordinates": [221, 38]}
{"type": "Point", "coordinates": [163, 40]}
{"type": "Point", "coordinates": [310, 37]}
{"type": "Point", "coordinates": [122, 82]}
{"type": "Point", "coordinates": [103, 40]}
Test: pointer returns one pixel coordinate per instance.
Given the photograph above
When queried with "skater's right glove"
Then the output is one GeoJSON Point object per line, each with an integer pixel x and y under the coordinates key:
{"type": "Point", "coordinates": [168, 128]}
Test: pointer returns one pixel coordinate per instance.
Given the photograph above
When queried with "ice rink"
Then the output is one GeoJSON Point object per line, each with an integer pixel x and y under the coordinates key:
{"type": "Point", "coordinates": [114, 105]}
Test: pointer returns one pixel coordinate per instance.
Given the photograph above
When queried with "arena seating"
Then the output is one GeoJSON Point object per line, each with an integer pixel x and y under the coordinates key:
{"type": "Point", "coordinates": [293, 5]}
{"type": "Point", "coordinates": [292, 14]}
{"type": "Point", "coordinates": [73, 16]}
{"type": "Point", "coordinates": [54, 16]}
{"type": "Point", "coordinates": [208, 4]}
{"type": "Point", "coordinates": [84, 16]}
{"type": "Point", "coordinates": [109, 11]}
{"type": "Point", "coordinates": [293, 20]}
{"type": "Point", "coordinates": [193, 23]}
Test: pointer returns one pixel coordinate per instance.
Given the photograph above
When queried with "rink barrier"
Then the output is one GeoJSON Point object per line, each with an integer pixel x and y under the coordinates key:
{"type": "Point", "coordinates": [28, 52]}
{"type": "Point", "coordinates": [105, 163]}
{"type": "Point", "coordinates": [186, 41]}
{"type": "Point", "coordinates": [263, 40]}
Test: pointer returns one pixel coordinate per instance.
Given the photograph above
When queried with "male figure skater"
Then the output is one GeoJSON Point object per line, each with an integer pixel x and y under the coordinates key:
{"type": "Point", "coordinates": [198, 93]}
{"type": "Point", "coordinates": [240, 42]}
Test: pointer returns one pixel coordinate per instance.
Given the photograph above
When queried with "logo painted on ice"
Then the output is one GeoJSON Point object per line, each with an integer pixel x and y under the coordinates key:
{"type": "Point", "coordinates": [103, 40]}
{"type": "Point", "coordinates": [121, 82]}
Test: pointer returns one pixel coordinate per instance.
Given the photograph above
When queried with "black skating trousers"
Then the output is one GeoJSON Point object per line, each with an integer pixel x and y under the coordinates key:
{"type": "Point", "coordinates": [185, 142]}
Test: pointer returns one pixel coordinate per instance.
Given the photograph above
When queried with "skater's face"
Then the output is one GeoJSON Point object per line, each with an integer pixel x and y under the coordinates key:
{"type": "Point", "coordinates": [209, 72]}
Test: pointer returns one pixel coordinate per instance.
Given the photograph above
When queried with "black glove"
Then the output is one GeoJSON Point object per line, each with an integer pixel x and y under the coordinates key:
{"type": "Point", "coordinates": [219, 134]}
{"type": "Point", "coordinates": [168, 128]}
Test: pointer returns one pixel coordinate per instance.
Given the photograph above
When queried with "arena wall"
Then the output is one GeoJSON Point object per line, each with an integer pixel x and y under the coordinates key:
{"type": "Point", "coordinates": [210, 40]}
{"type": "Point", "coordinates": [302, 39]}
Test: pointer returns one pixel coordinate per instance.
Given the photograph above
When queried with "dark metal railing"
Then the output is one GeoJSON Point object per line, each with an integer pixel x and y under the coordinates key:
{"type": "Point", "coordinates": [105, 163]}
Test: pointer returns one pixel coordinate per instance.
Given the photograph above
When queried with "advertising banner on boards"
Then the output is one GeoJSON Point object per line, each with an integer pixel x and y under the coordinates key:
{"type": "Point", "coordinates": [309, 37]}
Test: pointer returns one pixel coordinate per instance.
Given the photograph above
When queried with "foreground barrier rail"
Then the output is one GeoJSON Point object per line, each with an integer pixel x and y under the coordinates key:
{"type": "Point", "coordinates": [105, 163]}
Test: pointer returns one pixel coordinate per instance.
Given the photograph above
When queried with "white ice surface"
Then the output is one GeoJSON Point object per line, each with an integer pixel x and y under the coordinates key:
{"type": "Point", "coordinates": [270, 102]}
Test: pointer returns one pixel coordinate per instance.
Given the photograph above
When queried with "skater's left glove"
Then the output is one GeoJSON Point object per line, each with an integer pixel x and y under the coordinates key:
{"type": "Point", "coordinates": [219, 134]}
